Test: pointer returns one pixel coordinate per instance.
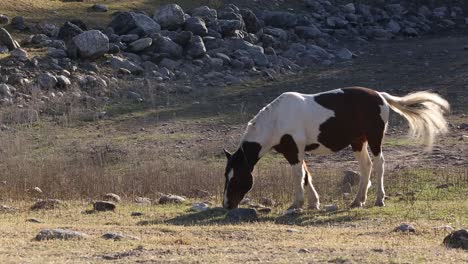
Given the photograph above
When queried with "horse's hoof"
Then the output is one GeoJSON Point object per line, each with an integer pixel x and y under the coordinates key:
{"type": "Point", "coordinates": [356, 204]}
{"type": "Point", "coordinates": [379, 203]}
{"type": "Point", "coordinates": [314, 207]}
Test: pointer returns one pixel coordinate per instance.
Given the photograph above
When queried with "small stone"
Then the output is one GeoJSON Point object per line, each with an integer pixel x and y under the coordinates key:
{"type": "Point", "coordinates": [165, 199]}
{"type": "Point", "coordinates": [457, 239]}
{"type": "Point", "coordinates": [351, 177]}
{"type": "Point", "coordinates": [102, 206]}
{"type": "Point", "coordinates": [63, 234]}
{"type": "Point", "coordinates": [444, 186]}
{"type": "Point", "coordinates": [330, 208]}
{"type": "Point", "coordinates": [7, 209]}
{"type": "Point", "coordinates": [112, 197]}
{"type": "Point", "coordinates": [200, 207]}
{"type": "Point", "coordinates": [118, 236]}
{"type": "Point", "coordinates": [404, 228]}
{"type": "Point", "coordinates": [292, 230]}
{"type": "Point", "coordinates": [267, 201]}
{"type": "Point", "coordinates": [242, 215]}
{"type": "Point", "coordinates": [37, 190]}
{"type": "Point", "coordinates": [264, 210]}
{"type": "Point", "coordinates": [134, 214]}
{"type": "Point", "coordinates": [46, 204]}
{"type": "Point", "coordinates": [4, 19]}
{"type": "Point", "coordinates": [34, 220]}
{"type": "Point", "coordinates": [141, 44]}
{"type": "Point", "coordinates": [444, 227]}
{"type": "Point", "coordinates": [99, 8]}
{"type": "Point", "coordinates": [344, 54]}
{"type": "Point", "coordinates": [201, 193]}
{"type": "Point", "coordinates": [47, 80]}
{"type": "Point", "coordinates": [303, 250]}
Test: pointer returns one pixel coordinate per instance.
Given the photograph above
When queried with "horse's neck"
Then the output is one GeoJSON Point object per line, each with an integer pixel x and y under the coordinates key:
{"type": "Point", "coordinates": [259, 137]}
{"type": "Point", "coordinates": [251, 153]}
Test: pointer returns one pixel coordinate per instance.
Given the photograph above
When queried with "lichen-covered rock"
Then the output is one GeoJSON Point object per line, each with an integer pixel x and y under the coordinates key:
{"type": "Point", "coordinates": [90, 44]}
{"type": "Point", "coordinates": [118, 236]}
{"type": "Point", "coordinates": [63, 234]}
{"type": "Point", "coordinates": [47, 204]}
{"type": "Point", "coordinates": [166, 199]}
{"type": "Point", "coordinates": [112, 197]}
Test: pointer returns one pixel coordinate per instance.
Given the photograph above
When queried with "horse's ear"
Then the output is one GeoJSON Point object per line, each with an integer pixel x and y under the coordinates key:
{"type": "Point", "coordinates": [228, 155]}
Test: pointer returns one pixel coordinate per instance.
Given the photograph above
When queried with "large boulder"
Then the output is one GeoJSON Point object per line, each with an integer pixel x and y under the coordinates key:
{"type": "Point", "coordinates": [308, 32]}
{"type": "Point", "coordinates": [47, 81]}
{"type": "Point", "coordinates": [170, 16]}
{"type": "Point", "coordinates": [7, 40]}
{"type": "Point", "coordinates": [229, 27]}
{"type": "Point", "coordinates": [90, 44]}
{"type": "Point", "coordinates": [196, 47]}
{"type": "Point", "coordinates": [141, 44]}
{"type": "Point", "coordinates": [136, 23]}
{"type": "Point", "coordinates": [197, 26]}
{"type": "Point", "coordinates": [18, 23]}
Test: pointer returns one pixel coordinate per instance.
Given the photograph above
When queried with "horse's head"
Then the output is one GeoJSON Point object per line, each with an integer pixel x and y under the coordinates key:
{"type": "Point", "coordinates": [239, 178]}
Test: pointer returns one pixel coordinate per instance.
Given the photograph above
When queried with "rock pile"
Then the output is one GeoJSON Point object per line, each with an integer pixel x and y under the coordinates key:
{"type": "Point", "coordinates": [202, 47]}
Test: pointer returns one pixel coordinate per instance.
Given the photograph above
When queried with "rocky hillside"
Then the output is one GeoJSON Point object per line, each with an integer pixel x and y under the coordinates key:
{"type": "Point", "coordinates": [178, 50]}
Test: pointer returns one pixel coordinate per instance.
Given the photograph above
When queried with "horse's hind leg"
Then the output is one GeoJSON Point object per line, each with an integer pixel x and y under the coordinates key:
{"type": "Point", "coordinates": [365, 165]}
{"type": "Point", "coordinates": [379, 163]}
{"type": "Point", "coordinates": [311, 192]}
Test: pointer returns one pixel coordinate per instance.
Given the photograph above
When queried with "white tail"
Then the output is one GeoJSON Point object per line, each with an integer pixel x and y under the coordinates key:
{"type": "Point", "coordinates": [424, 112]}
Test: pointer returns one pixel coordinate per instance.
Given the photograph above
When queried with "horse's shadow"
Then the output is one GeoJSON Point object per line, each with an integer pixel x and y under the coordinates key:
{"type": "Point", "coordinates": [217, 216]}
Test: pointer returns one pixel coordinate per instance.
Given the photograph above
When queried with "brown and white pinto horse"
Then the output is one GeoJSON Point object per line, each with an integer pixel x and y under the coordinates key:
{"type": "Point", "coordinates": [328, 122]}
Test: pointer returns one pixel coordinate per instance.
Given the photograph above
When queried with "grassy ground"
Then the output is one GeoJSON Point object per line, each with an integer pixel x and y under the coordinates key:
{"type": "Point", "coordinates": [171, 233]}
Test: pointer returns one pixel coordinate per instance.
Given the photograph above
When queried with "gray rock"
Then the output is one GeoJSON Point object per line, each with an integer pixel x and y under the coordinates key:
{"type": "Point", "coordinates": [4, 19]}
{"type": "Point", "coordinates": [409, 31]}
{"type": "Point", "coordinates": [118, 236]}
{"type": "Point", "coordinates": [196, 47]}
{"type": "Point", "coordinates": [34, 220]}
{"type": "Point", "coordinates": [47, 80]}
{"type": "Point", "coordinates": [103, 206]}
{"type": "Point", "coordinates": [404, 228]}
{"type": "Point", "coordinates": [252, 23]}
{"type": "Point", "coordinates": [139, 23]}
{"type": "Point", "coordinates": [7, 40]}
{"type": "Point", "coordinates": [63, 82]}
{"type": "Point", "coordinates": [229, 27]}
{"type": "Point", "coordinates": [127, 38]}
{"type": "Point", "coordinates": [112, 197]}
{"type": "Point", "coordinates": [278, 33]}
{"type": "Point", "coordinates": [135, 214]}
{"type": "Point", "coordinates": [197, 26]}
{"type": "Point", "coordinates": [19, 53]}
{"type": "Point", "coordinates": [5, 90]}
{"type": "Point", "coordinates": [63, 234]}
{"type": "Point", "coordinates": [200, 207]}
{"type": "Point", "coordinates": [143, 200]}
{"type": "Point", "coordinates": [47, 204]}
{"type": "Point", "coordinates": [242, 215]}
{"type": "Point", "coordinates": [167, 46]}
{"type": "Point", "coordinates": [440, 12]}
{"type": "Point", "coordinates": [280, 19]}
{"type": "Point", "coordinates": [56, 53]}
{"type": "Point", "coordinates": [18, 23]}
{"type": "Point", "coordinates": [89, 45]}
{"type": "Point", "coordinates": [49, 29]}
{"type": "Point", "coordinates": [170, 16]}
{"type": "Point", "coordinates": [393, 27]}
{"type": "Point", "coordinates": [7, 209]}
{"type": "Point", "coordinates": [169, 64]}
{"type": "Point", "coordinates": [141, 44]}
{"type": "Point", "coordinates": [267, 201]}
{"type": "Point", "coordinates": [308, 32]}
{"type": "Point", "coordinates": [336, 22]}
{"type": "Point", "coordinates": [349, 8]}
{"type": "Point", "coordinates": [207, 14]}
{"type": "Point", "coordinates": [457, 239]}
{"type": "Point", "coordinates": [293, 212]}
{"type": "Point", "coordinates": [330, 208]}
{"type": "Point", "coordinates": [351, 177]}
{"type": "Point", "coordinates": [167, 199]}
{"type": "Point", "coordinates": [68, 31]}
{"type": "Point", "coordinates": [344, 54]}
{"type": "Point", "coordinates": [99, 8]}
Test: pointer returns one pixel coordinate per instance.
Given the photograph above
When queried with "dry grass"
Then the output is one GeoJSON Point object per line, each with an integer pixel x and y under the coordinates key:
{"type": "Point", "coordinates": [176, 235]}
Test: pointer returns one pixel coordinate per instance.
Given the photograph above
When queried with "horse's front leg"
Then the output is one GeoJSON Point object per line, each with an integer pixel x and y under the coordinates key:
{"type": "Point", "coordinates": [298, 178]}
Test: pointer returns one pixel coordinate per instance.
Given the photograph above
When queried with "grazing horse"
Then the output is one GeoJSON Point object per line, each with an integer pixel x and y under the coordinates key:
{"type": "Point", "coordinates": [328, 122]}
